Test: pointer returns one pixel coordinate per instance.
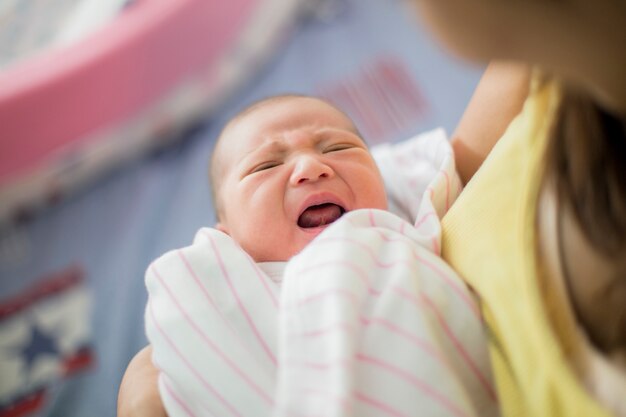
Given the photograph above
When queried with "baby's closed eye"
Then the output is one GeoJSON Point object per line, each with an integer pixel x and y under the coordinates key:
{"type": "Point", "coordinates": [338, 147]}
{"type": "Point", "coordinates": [264, 166]}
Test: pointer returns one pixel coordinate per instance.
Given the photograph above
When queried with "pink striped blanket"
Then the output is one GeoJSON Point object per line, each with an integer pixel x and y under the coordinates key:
{"type": "Point", "coordinates": [366, 321]}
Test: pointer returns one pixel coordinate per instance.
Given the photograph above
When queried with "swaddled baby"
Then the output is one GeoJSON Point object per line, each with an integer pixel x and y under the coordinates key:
{"type": "Point", "coordinates": [309, 297]}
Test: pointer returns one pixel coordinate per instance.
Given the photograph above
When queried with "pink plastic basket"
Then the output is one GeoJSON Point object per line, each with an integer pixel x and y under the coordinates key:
{"type": "Point", "coordinates": [157, 65]}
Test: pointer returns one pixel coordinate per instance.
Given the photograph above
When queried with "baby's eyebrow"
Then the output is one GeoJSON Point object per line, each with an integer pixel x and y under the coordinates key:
{"type": "Point", "coordinates": [277, 147]}
{"type": "Point", "coordinates": [274, 144]}
{"type": "Point", "coordinates": [325, 132]}
{"type": "Point", "coordinates": [274, 147]}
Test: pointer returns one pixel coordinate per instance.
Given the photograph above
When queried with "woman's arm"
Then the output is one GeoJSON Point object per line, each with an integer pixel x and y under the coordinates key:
{"type": "Point", "coordinates": [139, 391]}
{"type": "Point", "coordinates": [498, 98]}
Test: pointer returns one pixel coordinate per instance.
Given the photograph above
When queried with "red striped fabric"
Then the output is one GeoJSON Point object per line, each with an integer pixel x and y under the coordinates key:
{"type": "Point", "coordinates": [367, 320]}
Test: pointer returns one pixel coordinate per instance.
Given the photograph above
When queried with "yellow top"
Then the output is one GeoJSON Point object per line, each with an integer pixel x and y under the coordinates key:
{"type": "Point", "coordinates": [489, 237]}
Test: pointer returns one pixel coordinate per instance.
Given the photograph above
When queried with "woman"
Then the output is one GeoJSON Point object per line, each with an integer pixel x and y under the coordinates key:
{"type": "Point", "coordinates": [540, 230]}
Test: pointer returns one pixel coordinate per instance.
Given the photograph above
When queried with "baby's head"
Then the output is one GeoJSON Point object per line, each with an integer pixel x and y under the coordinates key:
{"type": "Point", "coordinates": [285, 168]}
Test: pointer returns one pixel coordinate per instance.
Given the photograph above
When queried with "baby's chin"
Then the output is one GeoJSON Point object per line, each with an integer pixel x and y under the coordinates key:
{"type": "Point", "coordinates": [270, 251]}
{"type": "Point", "coordinates": [274, 253]}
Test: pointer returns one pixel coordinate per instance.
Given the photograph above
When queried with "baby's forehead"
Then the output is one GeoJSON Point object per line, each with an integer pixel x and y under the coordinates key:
{"type": "Point", "coordinates": [277, 115]}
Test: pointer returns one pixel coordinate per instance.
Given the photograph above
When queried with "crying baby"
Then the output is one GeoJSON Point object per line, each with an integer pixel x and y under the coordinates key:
{"type": "Point", "coordinates": [285, 168]}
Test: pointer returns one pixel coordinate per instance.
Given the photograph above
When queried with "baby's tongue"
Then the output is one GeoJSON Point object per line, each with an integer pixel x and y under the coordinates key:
{"type": "Point", "coordinates": [321, 215]}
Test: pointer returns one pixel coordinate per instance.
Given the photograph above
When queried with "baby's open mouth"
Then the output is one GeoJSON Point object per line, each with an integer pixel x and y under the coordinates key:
{"type": "Point", "coordinates": [320, 215]}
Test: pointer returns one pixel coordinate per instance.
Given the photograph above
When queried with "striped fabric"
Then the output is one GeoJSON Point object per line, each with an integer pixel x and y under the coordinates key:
{"type": "Point", "coordinates": [366, 321]}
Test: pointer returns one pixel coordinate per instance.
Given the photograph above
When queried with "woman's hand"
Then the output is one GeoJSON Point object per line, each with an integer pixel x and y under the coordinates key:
{"type": "Point", "coordinates": [139, 391]}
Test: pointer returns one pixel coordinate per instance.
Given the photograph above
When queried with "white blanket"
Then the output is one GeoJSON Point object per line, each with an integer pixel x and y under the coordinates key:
{"type": "Point", "coordinates": [367, 320]}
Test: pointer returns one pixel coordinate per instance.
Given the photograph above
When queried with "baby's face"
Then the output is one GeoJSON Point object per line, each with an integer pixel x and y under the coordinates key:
{"type": "Point", "coordinates": [289, 169]}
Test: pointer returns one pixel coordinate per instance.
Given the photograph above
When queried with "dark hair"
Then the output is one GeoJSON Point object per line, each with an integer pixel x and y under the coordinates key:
{"type": "Point", "coordinates": [586, 160]}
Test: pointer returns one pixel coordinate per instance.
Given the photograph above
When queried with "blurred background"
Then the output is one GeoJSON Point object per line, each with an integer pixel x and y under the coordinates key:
{"type": "Point", "coordinates": [108, 113]}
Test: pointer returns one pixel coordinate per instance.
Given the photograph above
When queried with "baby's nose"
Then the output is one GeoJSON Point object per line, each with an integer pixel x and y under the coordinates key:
{"type": "Point", "coordinates": [309, 168]}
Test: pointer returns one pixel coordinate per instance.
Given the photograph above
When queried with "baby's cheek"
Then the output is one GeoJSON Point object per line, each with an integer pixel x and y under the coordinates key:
{"type": "Point", "coordinates": [376, 195]}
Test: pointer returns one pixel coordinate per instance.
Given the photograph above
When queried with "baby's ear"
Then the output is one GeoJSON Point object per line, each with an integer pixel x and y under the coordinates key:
{"type": "Point", "coordinates": [222, 228]}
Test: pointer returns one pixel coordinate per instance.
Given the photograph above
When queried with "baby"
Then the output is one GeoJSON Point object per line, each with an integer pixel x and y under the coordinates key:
{"type": "Point", "coordinates": [361, 317]}
{"type": "Point", "coordinates": [286, 168]}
